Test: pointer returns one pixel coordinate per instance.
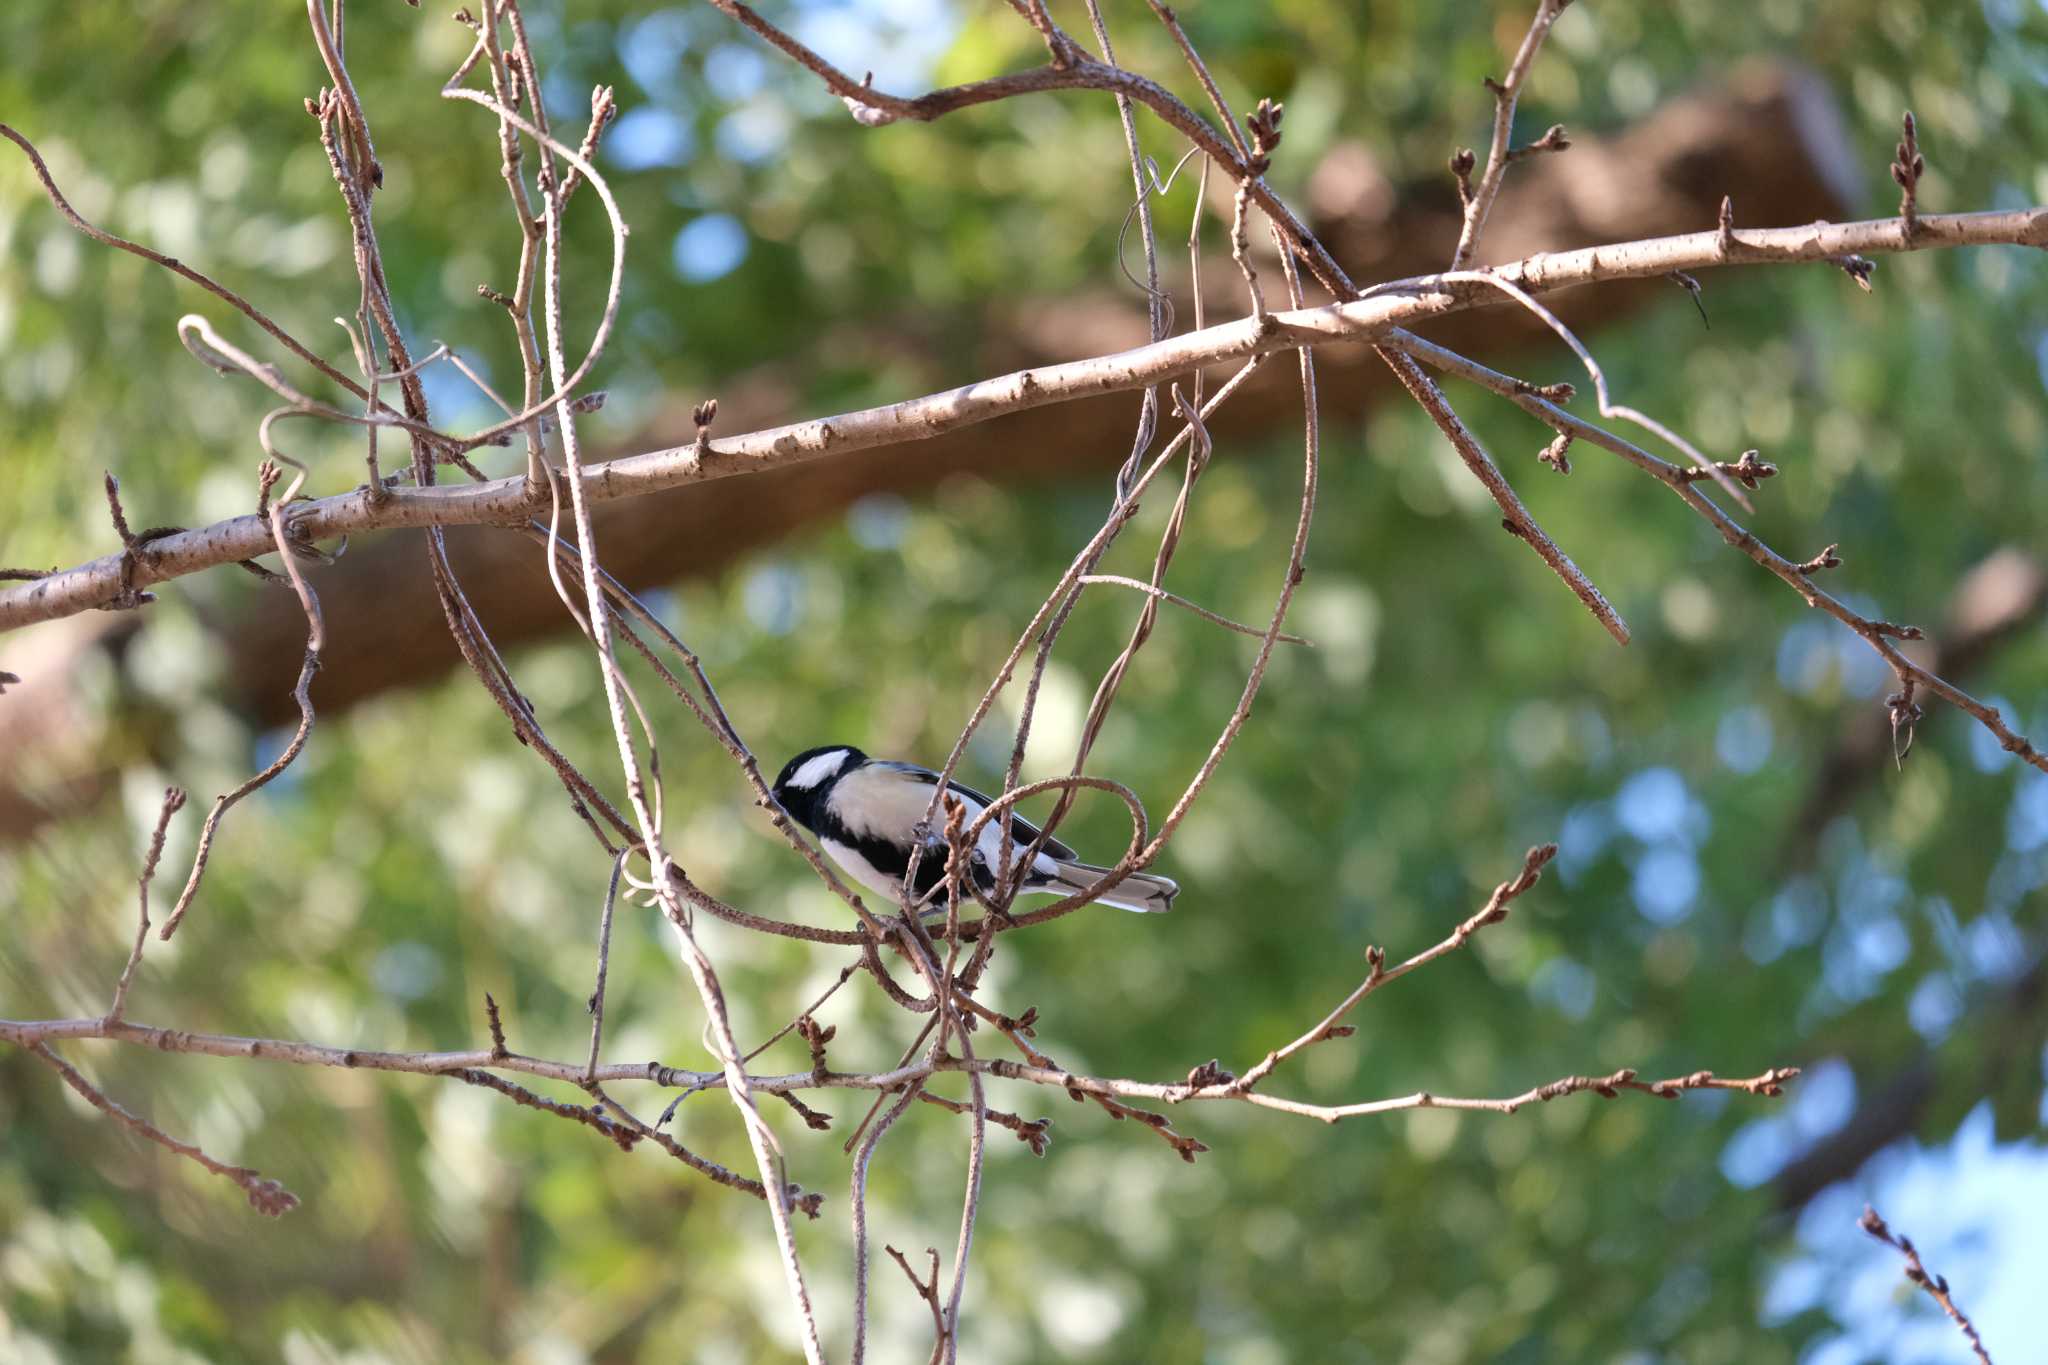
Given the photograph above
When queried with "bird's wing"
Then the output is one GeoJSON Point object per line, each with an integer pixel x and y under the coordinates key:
{"type": "Point", "coordinates": [1021, 830]}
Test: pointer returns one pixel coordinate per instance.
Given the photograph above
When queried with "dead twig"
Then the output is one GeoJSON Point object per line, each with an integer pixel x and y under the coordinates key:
{"type": "Point", "coordinates": [1160, 594]}
{"type": "Point", "coordinates": [604, 958]}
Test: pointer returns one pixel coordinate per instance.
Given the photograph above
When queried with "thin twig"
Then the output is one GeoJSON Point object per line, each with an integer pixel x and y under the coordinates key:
{"type": "Point", "coordinates": [1515, 518]}
{"type": "Point", "coordinates": [1608, 407]}
{"type": "Point", "coordinates": [176, 266]}
{"type": "Point", "coordinates": [858, 1194]}
{"type": "Point", "coordinates": [1164, 596]}
{"type": "Point", "coordinates": [809, 1204]}
{"type": "Point", "coordinates": [604, 959]}
{"type": "Point", "coordinates": [1505, 92]}
{"type": "Point", "coordinates": [1033, 1133]}
{"type": "Point", "coordinates": [265, 1196]}
{"type": "Point", "coordinates": [174, 801]}
{"type": "Point", "coordinates": [316, 638]}
{"type": "Point", "coordinates": [591, 1118]}
{"type": "Point", "coordinates": [845, 974]}
{"type": "Point", "coordinates": [928, 1290]}
{"type": "Point", "coordinates": [1378, 974]}
{"type": "Point", "coordinates": [1878, 634]}
{"type": "Point", "coordinates": [1935, 1285]}
{"type": "Point", "coordinates": [759, 1136]}
{"type": "Point", "coordinates": [1080, 72]}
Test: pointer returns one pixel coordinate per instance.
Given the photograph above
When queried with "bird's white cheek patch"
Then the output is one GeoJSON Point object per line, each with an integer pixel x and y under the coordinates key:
{"type": "Point", "coordinates": [817, 770]}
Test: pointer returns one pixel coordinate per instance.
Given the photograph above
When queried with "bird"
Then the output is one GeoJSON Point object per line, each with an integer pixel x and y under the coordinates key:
{"type": "Point", "coordinates": [869, 813]}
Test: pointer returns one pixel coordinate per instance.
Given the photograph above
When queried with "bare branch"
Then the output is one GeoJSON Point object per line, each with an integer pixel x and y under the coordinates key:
{"type": "Point", "coordinates": [1935, 1285]}
{"type": "Point", "coordinates": [504, 501]}
{"type": "Point", "coordinates": [622, 1136]}
{"type": "Point", "coordinates": [1878, 634]}
{"type": "Point", "coordinates": [928, 1290]}
{"type": "Point", "coordinates": [265, 1196]}
{"type": "Point", "coordinates": [858, 1181]}
{"type": "Point", "coordinates": [1162, 595]}
{"type": "Point", "coordinates": [1493, 912]}
{"type": "Point", "coordinates": [809, 1204]}
{"type": "Point", "coordinates": [1077, 71]}
{"type": "Point", "coordinates": [604, 958]}
{"type": "Point", "coordinates": [1479, 200]}
{"type": "Point", "coordinates": [1033, 1133]}
{"type": "Point", "coordinates": [1769, 1083]}
{"type": "Point", "coordinates": [1515, 518]}
{"type": "Point", "coordinates": [171, 263]}
{"type": "Point", "coordinates": [316, 637]}
{"type": "Point", "coordinates": [29, 1033]}
{"type": "Point", "coordinates": [174, 801]}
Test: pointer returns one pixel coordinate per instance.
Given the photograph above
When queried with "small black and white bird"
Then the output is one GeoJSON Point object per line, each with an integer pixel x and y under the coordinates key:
{"type": "Point", "coordinates": [867, 812]}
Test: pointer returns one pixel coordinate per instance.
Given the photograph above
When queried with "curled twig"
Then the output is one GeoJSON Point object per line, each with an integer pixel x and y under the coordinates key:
{"type": "Point", "coordinates": [316, 636]}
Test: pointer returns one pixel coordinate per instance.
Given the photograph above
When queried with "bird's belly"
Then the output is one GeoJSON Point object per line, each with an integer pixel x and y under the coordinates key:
{"type": "Point", "coordinates": [884, 874]}
{"type": "Point", "coordinates": [858, 866]}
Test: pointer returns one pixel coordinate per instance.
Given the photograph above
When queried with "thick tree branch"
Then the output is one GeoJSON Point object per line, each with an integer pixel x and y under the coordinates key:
{"type": "Point", "coordinates": [1766, 127]}
{"type": "Point", "coordinates": [504, 502]}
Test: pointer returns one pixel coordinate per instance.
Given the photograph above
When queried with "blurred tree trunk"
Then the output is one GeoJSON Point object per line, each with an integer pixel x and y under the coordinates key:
{"type": "Point", "coordinates": [1769, 137]}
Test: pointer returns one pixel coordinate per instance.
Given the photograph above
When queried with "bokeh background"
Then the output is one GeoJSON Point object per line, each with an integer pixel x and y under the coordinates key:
{"type": "Point", "coordinates": [1746, 878]}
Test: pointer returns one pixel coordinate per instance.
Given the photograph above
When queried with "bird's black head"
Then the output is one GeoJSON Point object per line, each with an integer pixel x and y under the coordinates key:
{"type": "Point", "coordinates": [805, 779]}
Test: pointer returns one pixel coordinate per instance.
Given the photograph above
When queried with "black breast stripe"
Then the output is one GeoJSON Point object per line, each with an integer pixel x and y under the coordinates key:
{"type": "Point", "coordinates": [893, 860]}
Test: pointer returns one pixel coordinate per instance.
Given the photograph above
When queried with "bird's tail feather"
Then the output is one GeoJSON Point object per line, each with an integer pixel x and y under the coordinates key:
{"type": "Point", "coordinates": [1140, 891]}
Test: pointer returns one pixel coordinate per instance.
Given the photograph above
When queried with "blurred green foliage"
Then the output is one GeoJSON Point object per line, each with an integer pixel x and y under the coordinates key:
{"type": "Point", "coordinates": [1458, 707]}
